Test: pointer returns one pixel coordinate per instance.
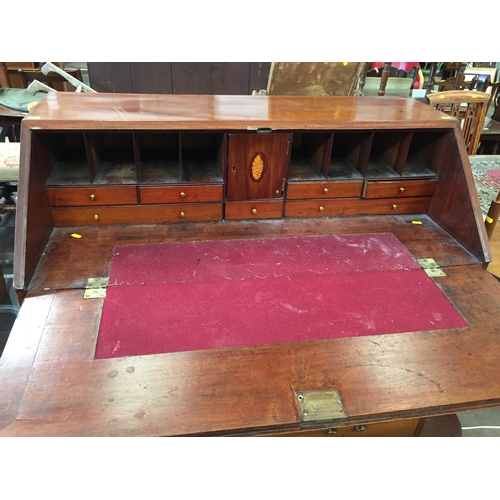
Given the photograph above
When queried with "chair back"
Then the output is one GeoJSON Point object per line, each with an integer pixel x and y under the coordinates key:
{"type": "Point", "coordinates": [493, 92]}
{"type": "Point", "coordinates": [467, 106]}
{"type": "Point", "coordinates": [53, 80]}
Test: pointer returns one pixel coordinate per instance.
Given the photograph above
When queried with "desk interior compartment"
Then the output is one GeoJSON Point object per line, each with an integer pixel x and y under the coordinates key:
{"type": "Point", "coordinates": [349, 155]}
{"type": "Point", "coordinates": [158, 157]}
{"type": "Point", "coordinates": [112, 158]}
{"type": "Point", "coordinates": [202, 157]}
{"type": "Point", "coordinates": [425, 154]}
{"type": "Point", "coordinates": [308, 155]}
{"type": "Point", "coordinates": [388, 154]}
{"type": "Point", "coordinates": [64, 157]}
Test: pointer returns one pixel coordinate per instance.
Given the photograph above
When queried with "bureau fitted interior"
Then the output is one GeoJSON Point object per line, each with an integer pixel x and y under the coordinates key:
{"type": "Point", "coordinates": [98, 177]}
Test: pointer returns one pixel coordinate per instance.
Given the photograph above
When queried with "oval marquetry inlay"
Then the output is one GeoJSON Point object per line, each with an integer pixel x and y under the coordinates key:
{"type": "Point", "coordinates": [257, 167]}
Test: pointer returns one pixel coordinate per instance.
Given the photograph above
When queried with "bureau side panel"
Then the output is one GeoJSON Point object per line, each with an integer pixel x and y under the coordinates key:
{"type": "Point", "coordinates": [33, 218]}
{"type": "Point", "coordinates": [455, 205]}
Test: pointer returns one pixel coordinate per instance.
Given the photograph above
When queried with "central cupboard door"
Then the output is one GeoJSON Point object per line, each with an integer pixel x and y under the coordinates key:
{"type": "Point", "coordinates": [256, 166]}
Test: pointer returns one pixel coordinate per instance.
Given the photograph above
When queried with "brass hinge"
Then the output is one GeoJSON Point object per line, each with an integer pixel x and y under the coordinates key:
{"type": "Point", "coordinates": [96, 288]}
{"type": "Point", "coordinates": [431, 267]}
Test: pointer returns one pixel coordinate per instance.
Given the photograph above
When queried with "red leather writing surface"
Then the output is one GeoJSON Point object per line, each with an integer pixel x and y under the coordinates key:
{"type": "Point", "coordinates": [176, 297]}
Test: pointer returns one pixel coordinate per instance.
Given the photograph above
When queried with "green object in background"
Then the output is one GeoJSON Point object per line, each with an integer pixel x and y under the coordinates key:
{"type": "Point", "coordinates": [19, 99]}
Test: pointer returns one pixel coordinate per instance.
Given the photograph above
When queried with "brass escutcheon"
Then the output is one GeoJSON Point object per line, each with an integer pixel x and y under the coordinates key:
{"type": "Point", "coordinates": [183, 194]}
{"type": "Point", "coordinates": [321, 209]}
{"type": "Point", "coordinates": [92, 196]}
{"type": "Point", "coordinates": [402, 189]}
{"type": "Point", "coordinates": [325, 190]}
{"type": "Point", "coordinates": [96, 217]}
{"type": "Point", "coordinates": [394, 206]}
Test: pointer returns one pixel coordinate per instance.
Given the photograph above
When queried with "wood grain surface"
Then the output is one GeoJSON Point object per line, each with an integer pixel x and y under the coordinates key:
{"type": "Point", "coordinates": [53, 386]}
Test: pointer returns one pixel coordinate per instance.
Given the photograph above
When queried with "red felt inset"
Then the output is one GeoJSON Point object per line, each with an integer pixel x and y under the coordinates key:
{"type": "Point", "coordinates": [176, 297]}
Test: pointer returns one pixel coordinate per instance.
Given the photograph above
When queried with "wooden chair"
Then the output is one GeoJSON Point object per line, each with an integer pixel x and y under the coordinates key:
{"type": "Point", "coordinates": [53, 80]}
{"type": "Point", "coordinates": [490, 136]}
{"type": "Point", "coordinates": [10, 120]}
{"type": "Point", "coordinates": [469, 107]}
{"type": "Point", "coordinates": [493, 92]}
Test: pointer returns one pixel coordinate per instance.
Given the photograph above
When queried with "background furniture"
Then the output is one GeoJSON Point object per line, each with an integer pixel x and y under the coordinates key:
{"type": "Point", "coordinates": [10, 120]}
{"type": "Point", "coordinates": [223, 78]}
{"type": "Point", "coordinates": [490, 135]}
{"type": "Point", "coordinates": [53, 79]}
{"type": "Point", "coordinates": [469, 107]}
{"type": "Point", "coordinates": [324, 78]}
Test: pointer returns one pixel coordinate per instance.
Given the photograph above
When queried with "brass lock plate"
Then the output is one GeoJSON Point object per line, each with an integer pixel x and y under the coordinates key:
{"type": "Point", "coordinates": [320, 406]}
{"type": "Point", "coordinates": [96, 288]}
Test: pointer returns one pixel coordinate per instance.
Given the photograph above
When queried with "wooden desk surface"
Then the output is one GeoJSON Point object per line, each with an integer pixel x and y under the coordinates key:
{"type": "Point", "coordinates": [51, 385]}
{"type": "Point", "coordinates": [67, 110]}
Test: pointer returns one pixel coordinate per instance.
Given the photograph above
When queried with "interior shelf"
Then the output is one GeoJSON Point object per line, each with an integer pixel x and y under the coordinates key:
{"type": "Point", "coordinates": [307, 156]}
{"type": "Point", "coordinates": [159, 158]}
{"type": "Point", "coordinates": [113, 158]}
{"type": "Point", "coordinates": [67, 158]}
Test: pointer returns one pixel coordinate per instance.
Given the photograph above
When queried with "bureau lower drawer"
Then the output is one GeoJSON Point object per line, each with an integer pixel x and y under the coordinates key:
{"type": "Point", "coordinates": [180, 194]}
{"type": "Point", "coordinates": [140, 214]}
{"type": "Point", "coordinates": [239, 210]}
{"type": "Point", "coordinates": [390, 189]}
{"type": "Point", "coordinates": [397, 428]}
{"type": "Point", "coordinates": [86, 196]}
{"type": "Point", "coordinates": [347, 189]}
{"type": "Point", "coordinates": [330, 208]}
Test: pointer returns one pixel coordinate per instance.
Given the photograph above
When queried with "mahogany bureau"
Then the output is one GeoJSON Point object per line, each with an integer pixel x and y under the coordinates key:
{"type": "Point", "coordinates": [132, 169]}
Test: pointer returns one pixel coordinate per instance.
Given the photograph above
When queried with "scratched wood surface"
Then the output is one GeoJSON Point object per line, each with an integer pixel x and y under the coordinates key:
{"type": "Point", "coordinates": [66, 110]}
{"type": "Point", "coordinates": [51, 385]}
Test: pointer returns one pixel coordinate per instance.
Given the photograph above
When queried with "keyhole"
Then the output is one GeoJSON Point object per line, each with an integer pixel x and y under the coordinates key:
{"type": "Point", "coordinates": [234, 169]}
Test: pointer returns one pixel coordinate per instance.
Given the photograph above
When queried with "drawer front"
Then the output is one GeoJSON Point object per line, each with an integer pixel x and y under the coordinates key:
{"type": "Point", "coordinates": [397, 428]}
{"type": "Point", "coordinates": [254, 210]}
{"type": "Point", "coordinates": [350, 189]}
{"type": "Point", "coordinates": [87, 196]}
{"type": "Point", "coordinates": [140, 214]}
{"type": "Point", "coordinates": [180, 194]}
{"type": "Point", "coordinates": [391, 189]}
{"type": "Point", "coordinates": [331, 208]}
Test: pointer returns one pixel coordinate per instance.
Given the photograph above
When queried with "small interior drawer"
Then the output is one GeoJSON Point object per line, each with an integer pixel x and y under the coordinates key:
{"type": "Point", "coordinates": [301, 190]}
{"type": "Point", "coordinates": [391, 189]}
{"type": "Point", "coordinates": [89, 196]}
{"type": "Point", "coordinates": [356, 207]}
{"type": "Point", "coordinates": [180, 194]}
{"type": "Point", "coordinates": [239, 210]}
{"type": "Point", "coordinates": [139, 214]}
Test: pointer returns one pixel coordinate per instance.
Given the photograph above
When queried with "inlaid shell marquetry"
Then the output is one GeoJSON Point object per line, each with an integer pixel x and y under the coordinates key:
{"type": "Point", "coordinates": [258, 166]}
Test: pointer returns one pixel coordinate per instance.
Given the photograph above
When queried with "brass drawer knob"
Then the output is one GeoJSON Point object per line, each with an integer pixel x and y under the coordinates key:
{"type": "Point", "coordinates": [394, 206]}
{"type": "Point", "coordinates": [321, 209]}
{"type": "Point", "coordinates": [331, 432]}
{"type": "Point", "coordinates": [360, 428]}
{"type": "Point", "coordinates": [325, 190]}
{"type": "Point", "coordinates": [96, 217]}
{"type": "Point", "coordinates": [92, 197]}
{"type": "Point", "coordinates": [182, 214]}
{"type": "Point", "coordinates": [402, 189]}
{"type": "Point", "coordinates": [254, 211]}
{"type": "Point", "coordinates": [183, 194]}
